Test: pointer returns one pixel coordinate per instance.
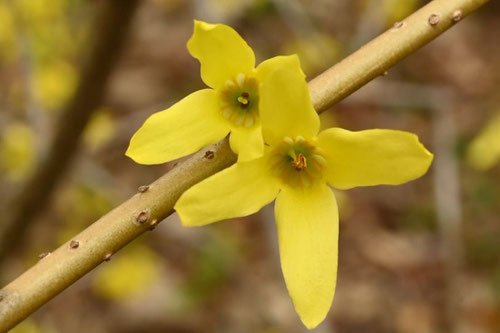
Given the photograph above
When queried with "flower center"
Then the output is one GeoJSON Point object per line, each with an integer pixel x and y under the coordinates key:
{"type": "Point", "coordinates": [297, 162]}
{"type": "Point", "coordinates": [239, 100]}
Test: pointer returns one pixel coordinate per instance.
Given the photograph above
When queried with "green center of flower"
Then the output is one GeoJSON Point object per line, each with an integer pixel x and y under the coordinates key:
{"type": "Point", "coordinates": [239, 100]}
{"type": "Point", "coordinates": [297, 162]}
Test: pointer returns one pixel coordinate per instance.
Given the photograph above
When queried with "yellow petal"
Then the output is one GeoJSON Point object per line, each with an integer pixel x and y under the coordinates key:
{"type": "Point", "coordinates": [290, 62]}
{"type": "Point", "coordinates": [247, 143]}
{"type": "Point", "coordinates": [239, 190]}
{"type": "Point", "coordinates": [184, 128]}
{"type": "Point", "coordinates": [285, 107]}
{"type": "Point", "coordinates": [307, 224]}
{"type": "Point", "coordinates": [222, 53]}
{"type": "Point", "coordinates": [372, 157]}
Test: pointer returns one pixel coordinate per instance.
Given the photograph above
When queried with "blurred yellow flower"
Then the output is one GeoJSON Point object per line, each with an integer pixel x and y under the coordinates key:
{"type": "Point", "coordinates": [317, 51]}
{"type": "Point", "coordinates": [17, 152]}
{"type": "Point", "coordinates": [295, 169]}
{"type": "Point", "coordinates": [397, 10]}
{"type": "Point", "coordinates": [7, 33]}
{"type": "Point", "coordinates": [127, 276]}
{"type": "Point", "coordinates": [55, 82]}
{"type": "Point", "coordinates": [484, 151]}
{"type": "Point", "coordinates": [206, 116]}
{"type": "Point", "coordinates": [100, 130]}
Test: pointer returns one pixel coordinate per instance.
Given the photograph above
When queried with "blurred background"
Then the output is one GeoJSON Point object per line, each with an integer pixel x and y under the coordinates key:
{"type": "Point", "coordinates": [422, 257]}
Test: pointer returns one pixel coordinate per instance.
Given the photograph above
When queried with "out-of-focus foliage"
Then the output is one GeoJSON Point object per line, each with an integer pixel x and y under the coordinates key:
{"type": "Point", "coordinates": [316, 52]}
{"type": "Point", "coordinates": [17, 151]}
{"type": "Point", "coordinates": [484, 150]}
{"type": "Point", "coordinates": [30, 326]}
{"type": "Point", "coordinates": [7, 33]}
{"type": "Point", "coordinates": [211, 267]}
{"type": "Point", "coordinates": [45, 40]}
{"type": "Point", "coordinates": [55, 83]}
{"type": "Point", "coordinates": [100, 130]}
{"type": "Point", "coordinates": [397, 10]}
{"type": "Point", "coordinates": [128, 275]}
{"type": "Point", "coordinates": [80, 204]}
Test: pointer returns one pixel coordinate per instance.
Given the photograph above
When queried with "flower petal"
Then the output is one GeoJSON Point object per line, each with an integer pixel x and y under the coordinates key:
{"type": "Point", "coordinates": [372, 157]}
{"type": "Point", "coordinates": [222, 53]}
{"type": "Point", "coordinates": [307, 224]}
{"type": "Point", "coordinates": [290, 62]}
{"type": "Point", "coordinates": [182, 129]}
{"type": "Point", "coordinates": [239, 190]}
{"type": "Point", "coordinates": [285, 107]}
{"type": "Point", "coordinates": [247, 143]}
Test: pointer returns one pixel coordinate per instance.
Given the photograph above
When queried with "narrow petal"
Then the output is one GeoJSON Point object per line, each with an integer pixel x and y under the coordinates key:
{"type": "Point", "coordinates": [222, 53]}
{"type": "Point", "coordinates": [239, 190]}
{"type": "Point", "coordinates": [307, 224]}
{"type": "Point", "coordinates": [182, 129]}
{"type": "Point", "coordinates": [372, 157]}
{"type": "Point", "coordinates": [247, 143]}
{"type": "Point", "coordinates": [285, 107]}
{"type": "Point", "coordinates": [290, 62]}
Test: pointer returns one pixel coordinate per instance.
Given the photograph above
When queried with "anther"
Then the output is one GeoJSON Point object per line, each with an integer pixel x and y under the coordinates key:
{"type": "Point", "coordinates": [143, 188]}
{"type": "Point", "coordinates": [74, 244]}
{"type": "Point", "coordinates": [107, 257]}
{"type": "Point", "coordinates": [244, 100]}
{"type": "Point", "coordinates": [142, 217]}
{"type": "Point", "coordinates": [300, 162]}
{"type": "Point", "coordinates": [43, 255]}
{"type": "Point", "coordinates": [209, 155]}
{"type": "Point", "coordinates": [434, 19]}
{"type": "Point", "coordinates": [457, 15]}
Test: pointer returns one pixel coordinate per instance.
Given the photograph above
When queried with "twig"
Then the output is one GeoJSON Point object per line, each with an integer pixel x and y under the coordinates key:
{"type": "Point", "coordinates": [112, 28]}
{"type": "Point", "coordinates": [73, 260]}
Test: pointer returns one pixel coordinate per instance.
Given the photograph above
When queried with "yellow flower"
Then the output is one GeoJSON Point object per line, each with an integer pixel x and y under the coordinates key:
{"type": "Point", "coordinates": [208, 115]}
{"type": "Point", "coordinates": [296, 169]}
{"type": "Point", "coordinates": [484, 151]}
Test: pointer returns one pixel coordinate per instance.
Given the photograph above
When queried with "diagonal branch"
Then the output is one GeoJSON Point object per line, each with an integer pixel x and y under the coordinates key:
{"type": "Point", "coordinates": [113, 23]}
{"type": "Point", "coordinates": [152, 204]}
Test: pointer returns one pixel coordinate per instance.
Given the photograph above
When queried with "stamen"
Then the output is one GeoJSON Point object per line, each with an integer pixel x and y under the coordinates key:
{"type": "Point", "coordinates": [249, 121]}
{"type": "Point", "coordinates": [300, 162]}
{"type": "Point", "coordinates": [240, 79]}
{"type": "Point", "coordinates": [239, 100]}
{"type": "Point", "coordinates": [320, 159]}
{"type": "Point", "coordinates": [239, 119]}
{"type": "Point", "coordinates": [288, 140]}
{"type": "Point", "coordinates": [227, 113]}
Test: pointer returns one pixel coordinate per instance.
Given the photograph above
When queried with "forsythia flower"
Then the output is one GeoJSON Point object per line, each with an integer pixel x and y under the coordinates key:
{"type": "Point", "coordinates": [208, 115]}
{"type": "Point", "coordinates": [484, 150]}
{"type": "Point", "coordinates": [295, 169]}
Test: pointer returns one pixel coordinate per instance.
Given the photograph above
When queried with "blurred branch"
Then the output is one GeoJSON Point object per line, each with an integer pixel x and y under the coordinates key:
{"type": "Point", "coordinates": [74, 259]}
{"type": "Point", "coordinates": [448, 207]}
{"type": "Point", "coordinates": [113, 22]}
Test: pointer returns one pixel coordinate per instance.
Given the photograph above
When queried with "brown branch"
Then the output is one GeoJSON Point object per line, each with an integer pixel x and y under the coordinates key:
{"type": "Point", "coordinates": [112, 25]}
